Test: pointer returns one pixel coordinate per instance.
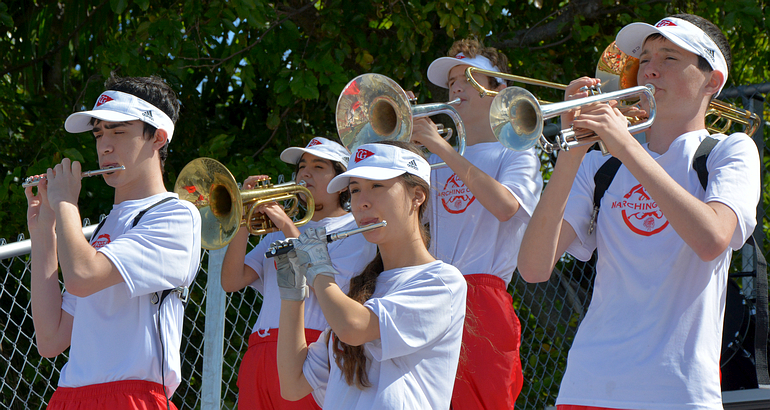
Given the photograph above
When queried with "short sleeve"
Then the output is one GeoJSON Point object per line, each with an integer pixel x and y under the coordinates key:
{"type": "Point", "coordinates": [734, 180]}
{"type": "Point", "coordinates": [316, 367]}
{"type": "Point", "coordinates": [411, 317]}
{"type": "Point", "coordinates": [521, 176]}
{"type": "Point", "coordinates": [256, 260]}
{"type": "Point", "coordinates": [69, 303]}
{"type": "Point", "coordinates": [158, 253]}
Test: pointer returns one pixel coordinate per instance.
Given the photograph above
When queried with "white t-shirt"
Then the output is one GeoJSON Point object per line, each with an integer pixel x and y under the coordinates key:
{"type": "Point", "coordinates": [652, 335]}
{"type": "Point", "coordinates": [349, 256]}
{"type": "Point", "coordinates": [463, 232]}
{"type": "Point", "coordinates": [114, 332]}
{"type": "Point", "coordinates": [421, 310]}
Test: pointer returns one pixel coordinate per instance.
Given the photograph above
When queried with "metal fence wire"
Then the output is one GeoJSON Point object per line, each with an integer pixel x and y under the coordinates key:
{"type": "Point", "coordinates": [217, 325]}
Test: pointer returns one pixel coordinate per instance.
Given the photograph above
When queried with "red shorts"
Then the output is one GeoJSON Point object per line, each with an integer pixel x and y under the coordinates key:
{"type": "Point", "coordinates": [258, 385]}
{"type": "Point", "coordinates": [573, 407]}
{"type": "Point", "coordinates": [489, 373]}
{"type": "Point", "coordinates": [120, 395]}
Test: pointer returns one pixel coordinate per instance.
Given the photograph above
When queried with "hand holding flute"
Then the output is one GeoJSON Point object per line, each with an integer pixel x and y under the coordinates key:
{"type": "Point", "coordinates": [35, 179]}
{"type": "Point", "coordinates": [282, 247]}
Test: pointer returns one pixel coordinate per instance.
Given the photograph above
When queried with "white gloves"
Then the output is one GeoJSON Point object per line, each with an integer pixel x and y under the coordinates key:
{"type": "Point", "coordinates": [310, 256]}
{"type": "Point", "coordinates": [291, 284]}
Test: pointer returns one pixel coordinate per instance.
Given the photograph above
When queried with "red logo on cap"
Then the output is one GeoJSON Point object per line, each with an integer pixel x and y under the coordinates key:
{"type": "Point", "coordinates": [460, 56]}
{"type": "Point", "coordinates": [664, 23]}
{"type": "Point", "coordinates": [103, 99]}
{"type": "Point", "coordinates": [313, 142]}
{"type": "Point", "coordinates": [363, 154]}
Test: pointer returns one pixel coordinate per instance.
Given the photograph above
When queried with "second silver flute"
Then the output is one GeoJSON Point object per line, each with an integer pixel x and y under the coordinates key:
{"type": "Point", "coordinates": [33, 181]}
{"type": "Point", "coordinates": [288, 245]}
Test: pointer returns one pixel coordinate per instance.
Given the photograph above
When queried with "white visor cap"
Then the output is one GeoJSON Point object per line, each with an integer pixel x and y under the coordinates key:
{"type": "Point", "coordinates": [438, 71]}
{"type": "Point", "coordinates": [117, 106]}
{"type": "Point", "coordinates": [379, 162]}
{"type": "Point", "coordinates": [320, 147]}
{"type": "Point", "coordinates": [680, 32]}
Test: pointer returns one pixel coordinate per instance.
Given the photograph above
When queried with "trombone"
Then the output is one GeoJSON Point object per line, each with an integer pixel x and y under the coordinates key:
{"type": "Point", "coordinates": [373, 108]}
{"type": "Point", "coordinates": [224, 208]}
{"type": "Point", "coordinates": [618, 71]}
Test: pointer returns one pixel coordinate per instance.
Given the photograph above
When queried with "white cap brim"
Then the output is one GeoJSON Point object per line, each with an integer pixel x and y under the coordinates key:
{"type": "Point", "coordinates": [438, 71]}
{"type": "Point", "coordinates": [320, 147]}
{"type": "Point", "coordinates": [682, 33]}
{"type": "Point", "coordinates": [118, 106]}
{"type": "Point", "coordinates": [81, 121]}
{"type": "Point", "coordinates": [342, 180]}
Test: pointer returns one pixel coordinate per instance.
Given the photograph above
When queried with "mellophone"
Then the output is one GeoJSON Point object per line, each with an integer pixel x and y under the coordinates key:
{"type": "Point", "coordinates": [288, 245]}
{"type": "Point", "coordinates": [35, 180]}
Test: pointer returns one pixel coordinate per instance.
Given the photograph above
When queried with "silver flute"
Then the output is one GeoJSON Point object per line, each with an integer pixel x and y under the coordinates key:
{"type": "Point", "coordinates": [33, 181]}
{"type": "Point", "coordinates": [287, 245]}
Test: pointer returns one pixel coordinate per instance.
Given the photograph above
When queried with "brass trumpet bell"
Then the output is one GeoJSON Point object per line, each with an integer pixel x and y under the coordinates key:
{"type": "Point", "coordinates": [374, 108]}
{"type": "Point", "coordinates": [517, 118]}
{"type": "Point", "coordinates": [224, 208]}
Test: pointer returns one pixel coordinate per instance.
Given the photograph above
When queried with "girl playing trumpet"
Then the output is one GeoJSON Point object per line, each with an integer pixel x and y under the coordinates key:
{"type": "Point", "coordinates": [317, 163]}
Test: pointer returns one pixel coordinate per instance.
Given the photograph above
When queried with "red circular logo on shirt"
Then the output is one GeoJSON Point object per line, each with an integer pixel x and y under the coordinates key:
{"type": "Point", "coordinates": [102, 240]}
{"type": "Point", "coordinates": [640, 213]}
{"type": "Point", "coordinates": [455, 196]}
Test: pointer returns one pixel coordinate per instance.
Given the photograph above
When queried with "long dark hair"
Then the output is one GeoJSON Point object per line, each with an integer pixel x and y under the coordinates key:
{"type": "Point", "coordinates": [351, 359]}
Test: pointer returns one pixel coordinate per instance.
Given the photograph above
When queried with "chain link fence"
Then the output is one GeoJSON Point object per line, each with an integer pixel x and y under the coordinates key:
{"type": "Point", "coordinates": [217, 325]}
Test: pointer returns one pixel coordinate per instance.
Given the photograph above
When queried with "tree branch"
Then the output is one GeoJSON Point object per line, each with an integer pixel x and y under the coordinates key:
{"type": "Point", "coordinates": [257, 41]}
{"type": "Point", "coordinates": [262, 148]}
{"type": "Point", "coordinates": [58, 47]}
{"type": "Point", "coordinates": [591, 10]}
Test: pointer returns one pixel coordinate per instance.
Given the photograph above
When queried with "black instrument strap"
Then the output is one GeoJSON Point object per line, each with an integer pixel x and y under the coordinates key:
{"type": "Point", "coordinates": [139, 216]}
{"type": "Point", "coordinates": [603, 179]}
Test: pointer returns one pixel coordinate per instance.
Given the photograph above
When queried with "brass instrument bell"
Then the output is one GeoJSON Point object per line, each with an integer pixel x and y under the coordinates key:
{"type": "Point", "coordinates": [224, 208]}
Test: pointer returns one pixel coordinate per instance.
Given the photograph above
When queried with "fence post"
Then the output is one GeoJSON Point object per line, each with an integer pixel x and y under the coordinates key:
{"type": "Point", "coordinates": [755, 104]}
{"type": "Point", "coordinates": [214, 334]}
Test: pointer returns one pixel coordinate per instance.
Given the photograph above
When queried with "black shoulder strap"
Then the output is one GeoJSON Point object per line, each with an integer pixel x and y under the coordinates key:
{"type": "Point", "coordinates": [98, 228]}
{"type": "Point", "coordinates": [181, 291]}
{"type": "Point", "coordinates": [604, 177]}
{"type": "Point", "coordinates": [699, 161]}
{"type": "Point", "coordinates": [144, 211]}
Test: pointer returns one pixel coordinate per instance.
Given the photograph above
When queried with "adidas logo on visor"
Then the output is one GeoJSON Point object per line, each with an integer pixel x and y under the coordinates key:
{"type": "Point", "coordinates": [147, 115]}
{"type": "Point", "coordinates": [363, 154]}
{"type": "Point", "coordinates": [412, 164]}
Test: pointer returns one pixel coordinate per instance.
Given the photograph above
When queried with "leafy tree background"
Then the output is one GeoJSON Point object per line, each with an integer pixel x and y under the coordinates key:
{"type": "Point", "coordinates": [255, 77]}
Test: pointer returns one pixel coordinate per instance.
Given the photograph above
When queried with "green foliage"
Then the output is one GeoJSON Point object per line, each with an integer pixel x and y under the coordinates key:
{"type": "Point", "coordinates": [255, 77]}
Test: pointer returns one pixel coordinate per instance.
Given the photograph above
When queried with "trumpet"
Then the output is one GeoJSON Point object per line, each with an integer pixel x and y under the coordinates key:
{"type": "Point", "coordinates": [224, 208]}
{"type": "Point", "coordinates": [618, 71]}
{"type": "Point", "coordinates": [517, 118]}
{"type": "Point", "coordinates": [35, 180]}
{"type": "Point", "coordinates": [373, 108]}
